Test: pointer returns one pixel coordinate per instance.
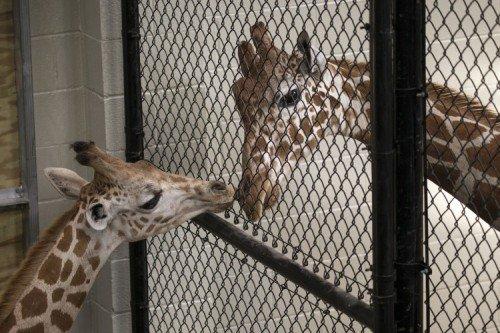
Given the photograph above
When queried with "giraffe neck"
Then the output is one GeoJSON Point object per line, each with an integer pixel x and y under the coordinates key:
{"type": "Point", "coordinates": [58, 280]}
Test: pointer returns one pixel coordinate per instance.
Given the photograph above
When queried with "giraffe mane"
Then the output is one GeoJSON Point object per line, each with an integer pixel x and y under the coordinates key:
{"type": "Point", "coordinates": [32, 261]}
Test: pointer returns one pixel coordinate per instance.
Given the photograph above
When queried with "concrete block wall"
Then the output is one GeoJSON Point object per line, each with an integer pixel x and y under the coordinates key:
{"type": "Point", "coordinates": [78, 94]}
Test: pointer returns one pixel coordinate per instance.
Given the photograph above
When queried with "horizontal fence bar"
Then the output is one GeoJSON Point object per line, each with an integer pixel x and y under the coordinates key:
{"type": "Point", "coordinates": [12, 197]}
{"type": "Point", "coordinates": [319, 287]}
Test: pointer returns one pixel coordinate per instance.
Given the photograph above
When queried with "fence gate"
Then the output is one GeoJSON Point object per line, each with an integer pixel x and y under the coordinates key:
{"type": "Point", "coordinates": [327, 233]}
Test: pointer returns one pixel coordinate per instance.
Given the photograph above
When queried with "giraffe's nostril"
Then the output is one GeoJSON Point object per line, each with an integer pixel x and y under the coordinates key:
{"type": "Point", "coordinates": [216, 186]}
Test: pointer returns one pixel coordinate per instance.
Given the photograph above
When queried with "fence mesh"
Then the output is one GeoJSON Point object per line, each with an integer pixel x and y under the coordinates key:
{"type": "Point", "coordinates": [322, 217]}
{"type": "Point", "coordinates": [463, 39]}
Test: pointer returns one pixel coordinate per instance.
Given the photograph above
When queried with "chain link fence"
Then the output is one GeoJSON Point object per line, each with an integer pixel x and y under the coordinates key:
{"type": "Point", "coordinates": [321, 216]}
{"type": "Point", "coordinates": [463, 39]}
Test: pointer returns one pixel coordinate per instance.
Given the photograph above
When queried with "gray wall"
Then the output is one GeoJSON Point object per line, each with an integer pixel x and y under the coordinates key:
{"type": "Point", "coordinates": [78, 88]}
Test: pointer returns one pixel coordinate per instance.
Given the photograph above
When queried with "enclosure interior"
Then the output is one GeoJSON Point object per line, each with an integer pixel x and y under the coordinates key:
{"type": "Point", "coordinates": [322, 219]}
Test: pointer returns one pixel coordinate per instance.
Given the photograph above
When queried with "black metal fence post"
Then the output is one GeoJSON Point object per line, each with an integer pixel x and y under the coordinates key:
{"type": "Point", "coordinates": [134, 152]}
{"type": "Point", "coordinates": [409, 48]}
{"type": "Point", "coordinates": [383, 155]}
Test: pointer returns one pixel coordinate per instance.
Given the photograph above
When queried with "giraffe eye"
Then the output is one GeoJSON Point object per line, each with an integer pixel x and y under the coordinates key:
{"type": "Point", "coordinates": [150, 204]}
{"type": "Point", "coordinates": [289, 99]}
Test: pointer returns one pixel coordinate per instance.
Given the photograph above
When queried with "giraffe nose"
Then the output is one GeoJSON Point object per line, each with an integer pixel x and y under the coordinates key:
{"type": "Point", "coordinates": [217, 186]}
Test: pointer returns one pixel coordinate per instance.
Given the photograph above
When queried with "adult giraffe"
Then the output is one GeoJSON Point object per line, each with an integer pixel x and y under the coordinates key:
{"type": "Point", "coordinates": [124, 202]}
{"type": "Point", "coordinates": [287, 102]}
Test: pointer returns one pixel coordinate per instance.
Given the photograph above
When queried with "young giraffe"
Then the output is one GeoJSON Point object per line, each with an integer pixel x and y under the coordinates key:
{"type": "Point", "coordinates": [288, 102]}
{"type": "Point", "coordinates": [124, 202]}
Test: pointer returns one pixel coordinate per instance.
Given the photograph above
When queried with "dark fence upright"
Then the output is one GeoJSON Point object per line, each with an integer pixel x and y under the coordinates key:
{"type": "Point", "coordinates": [383, 157]}
{"type": "Point", "coordinates": [409, 55]}
{"type": "Point", "coordinates": [134, 152]}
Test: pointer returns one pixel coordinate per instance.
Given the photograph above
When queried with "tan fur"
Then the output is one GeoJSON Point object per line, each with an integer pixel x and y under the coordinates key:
{"type": "Point", "coordinates": [34, 258]}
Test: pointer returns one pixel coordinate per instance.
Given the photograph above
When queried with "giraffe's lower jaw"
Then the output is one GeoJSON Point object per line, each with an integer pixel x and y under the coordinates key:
{"type": "Point", "coordinates": [221, 207]}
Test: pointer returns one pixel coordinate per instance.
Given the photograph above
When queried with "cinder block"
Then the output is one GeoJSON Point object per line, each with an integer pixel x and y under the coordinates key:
{"type": "Point", "coordinates": [175, 115]}
{"type": "Point", "coordinates": [102, 319]}
{"type": "Point", "coordinates": [95, 117]}
{"type": "Point", "coordinates": [461, 64]}
{"type": "Point", "coordinates": [56, 62]}
{"type": "Point", "coordinates": [91, 17]}
{"type": "Point", "coordinates": [59, 117]}
{"type": "Point", "coordinates": [115, 123]}
{"type": "Point", "coordinates": [120, 275]}
{"type": "Point", "coordinates": [83, 322]}
{"type": "Point", "coordinates": [451, 308]}
{"type": "Point", "coordinates": [180, 58]}
{"type": "Point", "coordinates": [121, 252]}
{"type": "Point", "coordinates": [478, 17]}
{"type": "Point", "coordinates": [122, 322]}
{"type": "Point", "coordinates": [48, 211]}
{"type": "Point", "coordinates": [93, 64]}
{"type": "Point", "coordinates": [102, 290]}
{"type": "Point", "coordinates": [112, 67]}
{"type": "Point", "coordinates": [111, 23]}
{"type": "Point", "coordinates": [53, 16]}
{"type": "Point", "coordinates": [46, 157]}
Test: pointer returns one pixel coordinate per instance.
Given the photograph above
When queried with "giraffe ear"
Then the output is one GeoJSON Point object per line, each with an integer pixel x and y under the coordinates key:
{"type": "Point", "coordinates": [314, 60]}
{"type": "Point", "coordinates": [68, 183]}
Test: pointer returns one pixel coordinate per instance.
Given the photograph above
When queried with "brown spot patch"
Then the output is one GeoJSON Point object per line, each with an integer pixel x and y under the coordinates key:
{"type": "Point", "coordinates": [61, 320]}
{"type": "Point", "coordinates": [443, 176]}
{"type": "Point", "coordinates": [76, 298]}
{"type": "Point", "coordinates": [57, 294]}
{"type": "Point", "coordinates": [80, 219]}
{"type": "Point", "coordinates": [440, 152]}
{"type": "Point", "coordinates": [150, 228]}
{"type": "Point", "coordinates": [66, 271]}
{"type": "Point", "coordinates": [94, 262]}
{"type": "Point", "coordinates": [38, 328]}
{"type": "Point", "coordinates": [322, 117]}
{"type": "Point", "coordinates": [486, 158]}
{"type": "Point", "coordinates": [66, 239]}
{"type": "Point", "coordinates": [306, 126]}
{"type": "Point", "coordinates": [334, 103]}
{"type": "Point", "coordinates": [436, 128]}
{"type": "Point", "coordinates": [34, 303]}
{"type": "Point", "coordinates": [83, 242]}
{"type": "Point", "coordinates": [97, 245]}
{"type": "Point", "coordinates": [313, 143]}
{"type": "Point", "coordinates": [50, 269]}
{"type": "Point", "coordinates": [8, 323]}
{"type": "Point", "coordinates": [261, 144]}
{"type": "Point", "coordinates": [350, 115]}
{"type": "Point", "coordinates": [349, 90]}
{"type": "Point", "coordinates": [317, 100]}
{"type": "Point", "coordinates": [486, 198]}
{"type": "Point", "coordinates": [466, 130]}
{"type": "Point", "coordinates": [79, 277]}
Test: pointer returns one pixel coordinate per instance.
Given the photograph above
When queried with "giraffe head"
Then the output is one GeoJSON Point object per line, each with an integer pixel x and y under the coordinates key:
{"type": "Point", "coordinates": [272, 88]}
{"type": "Point", "coordinates": [137, 200]}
